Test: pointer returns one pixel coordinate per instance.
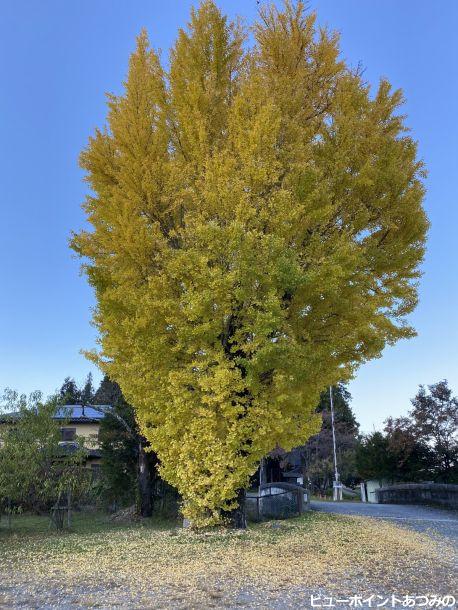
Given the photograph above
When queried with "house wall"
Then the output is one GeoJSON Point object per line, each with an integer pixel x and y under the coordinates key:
{"type": "Point", "coordinates": [90, 432]}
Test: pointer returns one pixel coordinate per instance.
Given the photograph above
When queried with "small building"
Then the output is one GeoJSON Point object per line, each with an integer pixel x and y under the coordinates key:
{"type": "Point", "coordinates": [369, 489]}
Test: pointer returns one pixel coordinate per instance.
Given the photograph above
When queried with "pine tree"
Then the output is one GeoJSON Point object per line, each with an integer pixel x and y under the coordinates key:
{"type": "Point", "coordinates": [87, 393]}
{"type": "Point", "coordinates": [374, 459]}
{"type": "Point", "coordinates": [69, 394]}
{"type": "Point", "coordinates": [119, 446]}
{"type": "Point", "coordinates": [108, 392]}
{"type": "Point", "coordinates": [257, 231]}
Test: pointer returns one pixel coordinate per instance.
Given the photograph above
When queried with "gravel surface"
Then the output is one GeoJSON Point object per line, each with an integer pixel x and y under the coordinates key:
{"type": "Point", "coordinates": [369, 551]}
{"type": "Point", "coordinates": [418, 518]}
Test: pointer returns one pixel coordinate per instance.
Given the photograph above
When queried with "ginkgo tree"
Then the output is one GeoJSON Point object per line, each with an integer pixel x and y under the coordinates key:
{"type": "Point", "coordinates": [257, 230]}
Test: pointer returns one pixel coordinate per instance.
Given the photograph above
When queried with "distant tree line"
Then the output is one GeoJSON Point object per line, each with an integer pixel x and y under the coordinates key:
{"type": "Point", "coordinates": [421, 446]}
{"type": "Point", "coordinates": [418, 447]}
{"type": "Point", "coordinates": [36, 474]}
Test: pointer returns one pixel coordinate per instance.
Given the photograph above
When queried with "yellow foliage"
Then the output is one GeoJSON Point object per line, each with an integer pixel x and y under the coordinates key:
{"type": "Point", "coordinates": [257, 231]}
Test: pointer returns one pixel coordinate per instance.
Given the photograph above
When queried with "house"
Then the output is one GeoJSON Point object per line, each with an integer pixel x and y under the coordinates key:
{"type": "Point", "coordinates": [82, 421]}
{"type": "Point", "coordinates": [77, 421]}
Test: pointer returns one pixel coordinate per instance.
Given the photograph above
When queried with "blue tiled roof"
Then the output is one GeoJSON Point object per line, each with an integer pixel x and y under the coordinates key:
{"type": "Point", "coordinates": [74, 412]}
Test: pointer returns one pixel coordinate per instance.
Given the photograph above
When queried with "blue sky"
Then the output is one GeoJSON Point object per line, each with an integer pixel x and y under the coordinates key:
{"type": "Point", "coordinates": [57, 59]}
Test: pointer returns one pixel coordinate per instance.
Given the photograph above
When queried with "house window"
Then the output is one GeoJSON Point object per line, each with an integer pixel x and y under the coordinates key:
{"type": "Point", "coordinates": [68, 434]}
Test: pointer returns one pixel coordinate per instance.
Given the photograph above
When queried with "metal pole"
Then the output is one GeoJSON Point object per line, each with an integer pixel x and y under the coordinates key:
{"type": "Point", "coordinates": [336, 495]}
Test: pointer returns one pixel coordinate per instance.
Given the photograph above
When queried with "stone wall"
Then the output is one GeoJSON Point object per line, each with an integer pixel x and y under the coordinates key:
{"type": "Point", "coordinates": [437, 494]}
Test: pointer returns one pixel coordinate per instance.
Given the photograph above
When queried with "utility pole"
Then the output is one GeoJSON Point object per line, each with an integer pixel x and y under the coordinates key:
{"type": "Point", "coordinates": [337, 485]}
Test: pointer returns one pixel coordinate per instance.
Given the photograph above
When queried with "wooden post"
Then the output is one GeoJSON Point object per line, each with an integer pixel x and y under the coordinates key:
{"type": "Point", "coordinates": [9, 514]}
{"type": "Point", "coordinates": [69, 509]}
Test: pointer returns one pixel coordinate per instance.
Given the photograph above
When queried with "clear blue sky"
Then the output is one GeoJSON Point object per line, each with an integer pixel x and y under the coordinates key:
{"type": "Point", "coordinates": [57, 59]}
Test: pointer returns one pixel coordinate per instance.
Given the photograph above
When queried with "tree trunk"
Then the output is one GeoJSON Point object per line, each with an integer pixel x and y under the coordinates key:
{"type": "Point", "coordinates": [144, 482]}
{"type": "Point", "coordinates": [237, 516]}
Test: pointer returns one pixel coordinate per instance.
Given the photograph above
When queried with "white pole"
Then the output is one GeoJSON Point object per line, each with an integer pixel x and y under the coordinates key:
{"type": "Point", "coordinates": [337, 495]}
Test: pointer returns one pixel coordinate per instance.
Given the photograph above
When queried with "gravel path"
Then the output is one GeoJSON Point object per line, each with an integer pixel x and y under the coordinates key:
{"type": "Point", "coordinates": [419, 518]}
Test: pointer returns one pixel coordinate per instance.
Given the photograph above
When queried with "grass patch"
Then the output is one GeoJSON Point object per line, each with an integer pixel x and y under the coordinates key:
{"type": "Point", "coordinates": [82, 523]}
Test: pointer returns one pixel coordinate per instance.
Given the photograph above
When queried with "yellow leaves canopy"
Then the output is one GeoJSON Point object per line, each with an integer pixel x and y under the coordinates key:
{"type": "Point", "coordinates": [257, 231]}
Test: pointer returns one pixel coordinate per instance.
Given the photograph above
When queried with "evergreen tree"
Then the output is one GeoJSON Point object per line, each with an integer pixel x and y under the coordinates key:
{"type": "Point", "coordinates": [87, 393]}
{"type": "Point", "coordinates": [108, 393]}
{"type": "Point", "coordinates": [420, 446]}
{"type": "Point", "coordinates": [119, 446]}
{"type": "Point", "coordinates": [374, 459]}
{"type": "Point", "coordinates": [69, 394]}
{"type": "Point", "coordinates": [128, 466]}
{"type": "Point", "coordinates": [257, 231]}
{"type": "Point", "coordinates": [343, 413]}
